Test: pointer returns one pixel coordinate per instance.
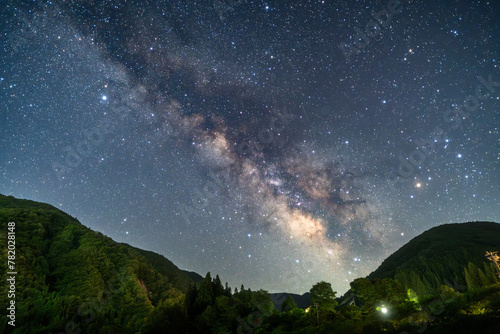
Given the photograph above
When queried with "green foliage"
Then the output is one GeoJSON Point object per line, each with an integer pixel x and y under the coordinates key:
{"type": "Point", "coordinates": [205, 295]}
{"type": "Point", "coordinates": [227, 291]}
{"type": "Point", "coordinates": [323, 295]}
{"type": "Point", "coordinates": [448, 293]}
{"type": "Point", "coordinates": [217, 287]}
{"type": "Point", "coordinates": [352, 313]}
{"type": "Point", "coordinates": [373, 293]}
{"type": "Point", "coordinates": [472, 276]}
{"type": "Point", "coordinates": [72, 279]}
{"type": "Point", "coordinates": [69, 275]}
{"type": "Point", "coordinates": [168, 316]}
{"type": "Point", "coordinates": [289, 304]}
{"type": "Point", "coordinates": [262, 302]}
{"type": "Point", "coordinates": [482, 278]}
{"type": "Point", "coordinates": [190, 300]}
{"type": "Point", "coordinates": [439, 256]}
{"type": "Point", "coordinates": [412, 295]}
{"type": "Point", "coordinates": [490, 272]}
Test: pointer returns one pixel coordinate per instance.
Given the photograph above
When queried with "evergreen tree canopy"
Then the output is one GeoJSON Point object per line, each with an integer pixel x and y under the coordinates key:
{"type": "Point", "coordinates": [323, 295]}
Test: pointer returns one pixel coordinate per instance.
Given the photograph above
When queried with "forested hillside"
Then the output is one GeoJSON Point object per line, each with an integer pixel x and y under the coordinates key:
{"type": "Point", "coordinates": [69, 274]}
{"type": "Point", "coordinates": [452, 254]}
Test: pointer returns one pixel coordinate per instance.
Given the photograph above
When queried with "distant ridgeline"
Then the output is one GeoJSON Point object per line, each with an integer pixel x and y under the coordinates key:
{"type": "Point", "coordinates": [68, 274]}
{"type": "Point", "coordinates": [452, 254]}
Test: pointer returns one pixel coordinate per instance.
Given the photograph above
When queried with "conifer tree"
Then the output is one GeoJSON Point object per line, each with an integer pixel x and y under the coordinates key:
{"type": "Point", "coordinates": [472, 276]}
{"type": "Point", "coordinates": [483, 279]}
{"type": "Point", "coordinates": [190, 300]}
{"type": "Point", "coordinates": [227, 291]}
{"type": "Point", "coordinates": [217, 287]}
{"type": "Point", "coordinates": [205, 296]}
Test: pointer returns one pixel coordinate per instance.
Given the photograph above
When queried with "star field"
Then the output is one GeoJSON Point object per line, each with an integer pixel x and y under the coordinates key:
{"type": "Point", "coordinates": [277, 144]}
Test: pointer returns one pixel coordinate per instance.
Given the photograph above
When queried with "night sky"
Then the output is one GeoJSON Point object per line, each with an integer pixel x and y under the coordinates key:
{"type": "Point", "coordinates": [275, 143]}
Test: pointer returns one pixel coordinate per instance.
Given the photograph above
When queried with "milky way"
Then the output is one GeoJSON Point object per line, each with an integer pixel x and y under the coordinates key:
{"type": "Point", "coordinates": [276, 144]}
